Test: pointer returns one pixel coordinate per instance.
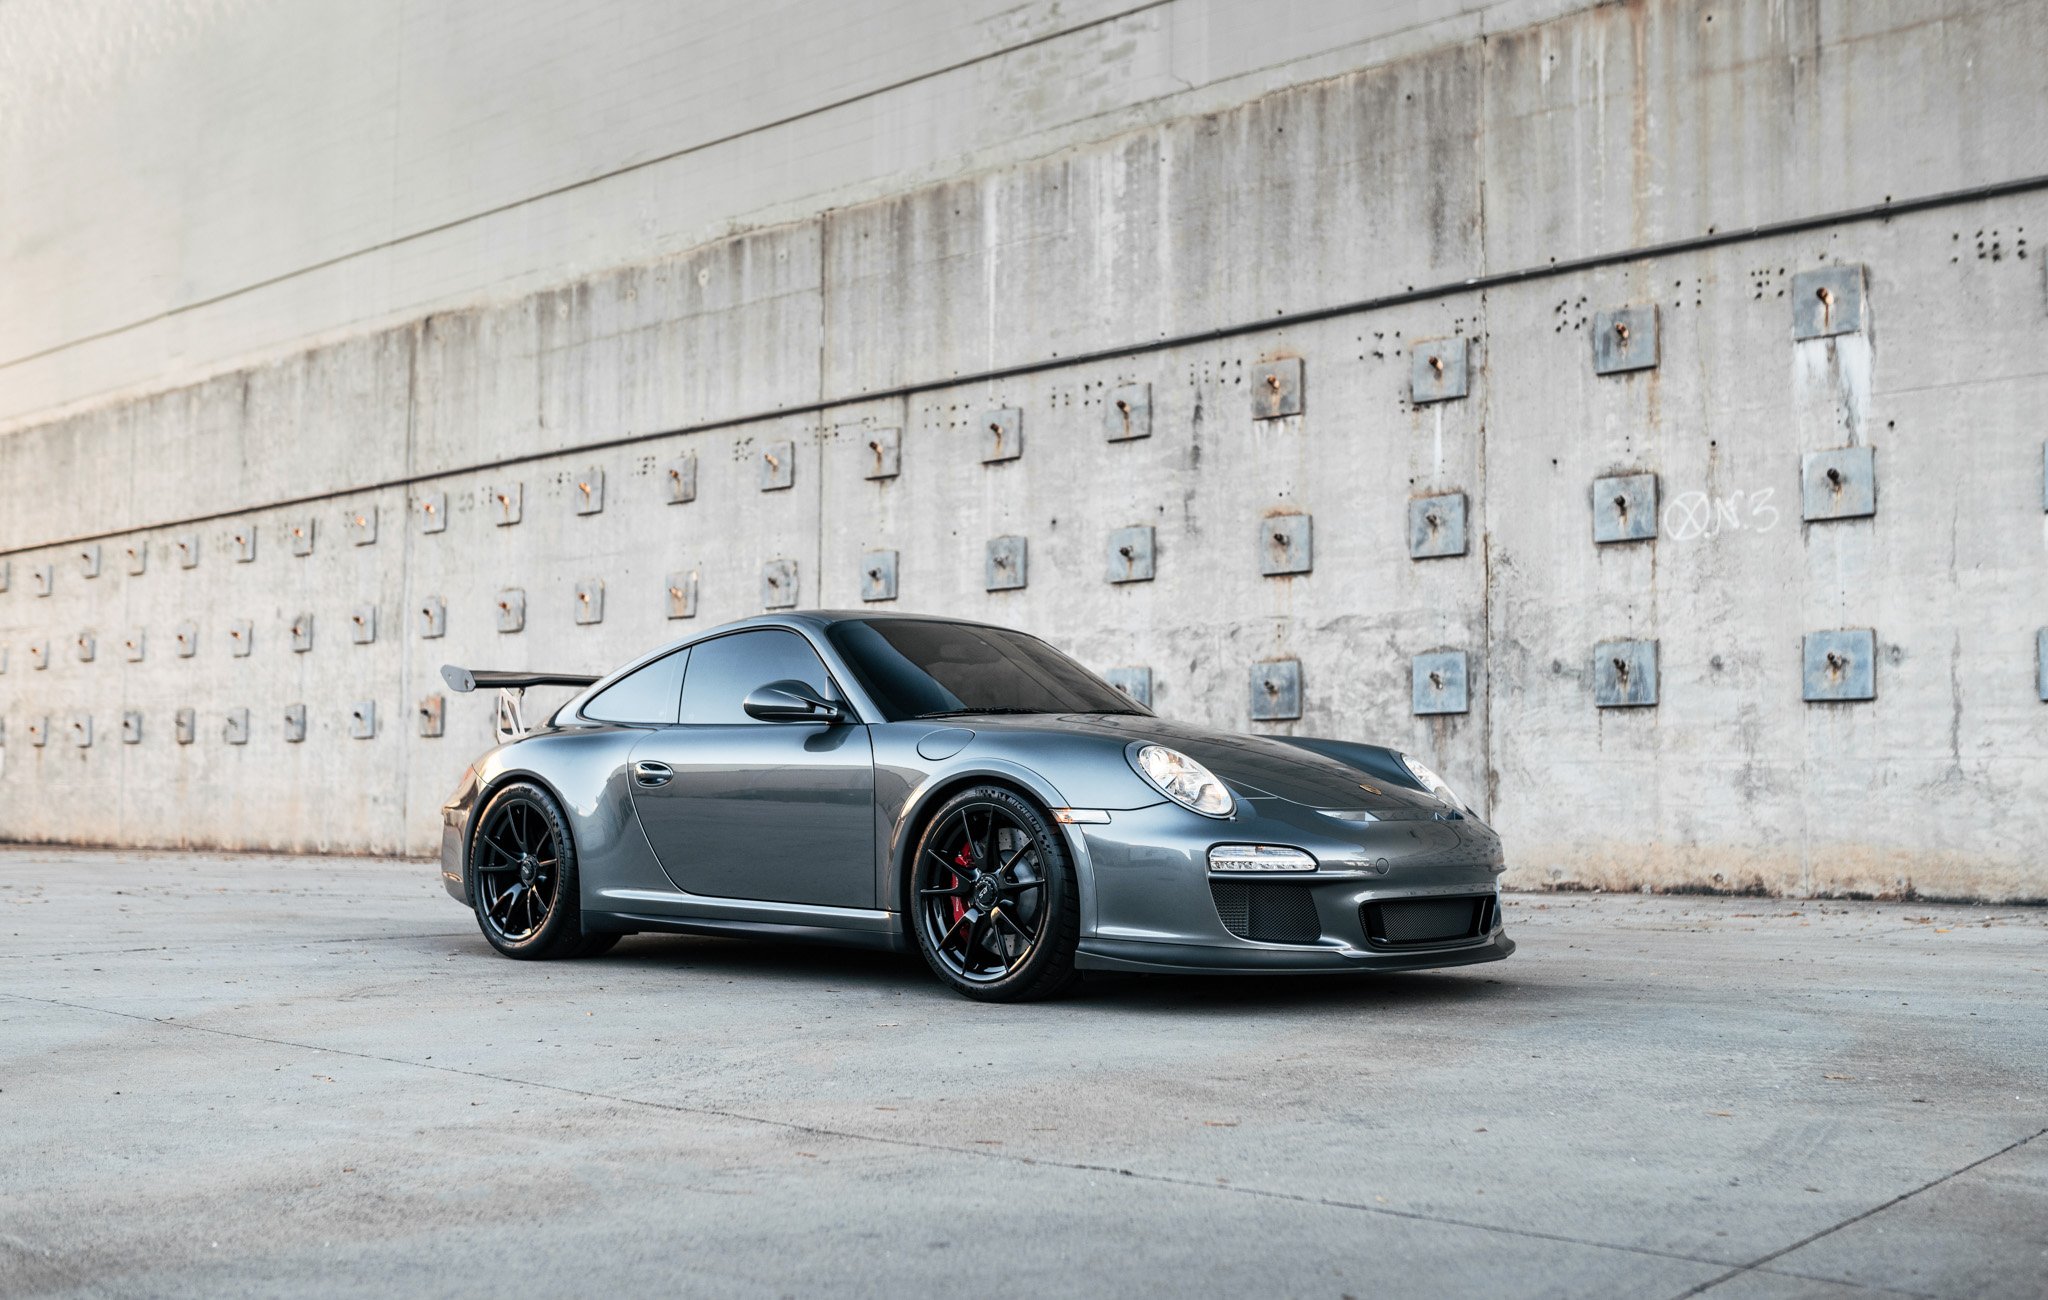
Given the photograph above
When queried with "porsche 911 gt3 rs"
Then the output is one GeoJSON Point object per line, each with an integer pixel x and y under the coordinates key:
{"type": "Point", "coordinates": [962, 789]}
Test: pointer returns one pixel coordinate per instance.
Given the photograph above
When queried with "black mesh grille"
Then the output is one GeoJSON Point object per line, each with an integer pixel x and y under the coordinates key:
{"type": "Point", "coordinates": [1428, 920]}
{"type": "Point", "coordinates": [1267, 913]}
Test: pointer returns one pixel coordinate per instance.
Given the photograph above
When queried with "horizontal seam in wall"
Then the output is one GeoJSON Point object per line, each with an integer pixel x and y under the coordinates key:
{"type": "Point", "coordinates": [1279, 321]}
{"type": "Point", "coordinates": [559, 190]}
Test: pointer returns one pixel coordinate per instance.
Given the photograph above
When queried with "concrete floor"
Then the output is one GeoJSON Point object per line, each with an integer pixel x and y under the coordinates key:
{"type": "Point", "coordinates": [285, 1076]}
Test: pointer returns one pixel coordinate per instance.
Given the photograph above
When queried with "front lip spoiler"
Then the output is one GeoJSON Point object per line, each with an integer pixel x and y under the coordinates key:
{"type": "Point", "coordinates": [1144, 956]}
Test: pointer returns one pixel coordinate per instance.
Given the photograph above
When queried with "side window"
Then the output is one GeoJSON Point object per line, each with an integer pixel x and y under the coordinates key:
{"type": "Point", "coordinates": [723, 671]}
{"type": "Point", "coordinates": [646, 696]}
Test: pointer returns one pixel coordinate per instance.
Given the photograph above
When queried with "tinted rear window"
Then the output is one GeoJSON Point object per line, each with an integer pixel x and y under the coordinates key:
{"type": "Point", "coordinates": [647, 696]}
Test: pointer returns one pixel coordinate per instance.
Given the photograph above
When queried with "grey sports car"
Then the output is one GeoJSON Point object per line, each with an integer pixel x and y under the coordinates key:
{"type": "Point", "coordinates": [897, 781]}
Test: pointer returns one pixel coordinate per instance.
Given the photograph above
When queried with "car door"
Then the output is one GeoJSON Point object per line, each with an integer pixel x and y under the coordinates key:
{"type": "Point", "coordinates": [736, 807]}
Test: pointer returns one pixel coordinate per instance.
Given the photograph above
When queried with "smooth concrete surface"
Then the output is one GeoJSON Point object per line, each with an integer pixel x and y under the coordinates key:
{"type": "Point", "coordinates": [248, 1075]}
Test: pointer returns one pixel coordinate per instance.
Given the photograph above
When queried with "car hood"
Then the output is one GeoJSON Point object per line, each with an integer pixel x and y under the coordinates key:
{"type": "Point", "coordinates": [1257, 767]}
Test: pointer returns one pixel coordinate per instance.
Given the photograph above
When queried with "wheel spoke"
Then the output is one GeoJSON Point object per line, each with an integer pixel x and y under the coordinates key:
{"type": "Point", "coordinates": [1003, 918]}
{"type": "Point", "coordinates": [978, 937]}
{"type": "Point", "coordinates": [502, 905]}
{"type": "Point", "coordinates": [957, 891]}
{"type": "Point", "coordinates": [958, 921]}
{"type": "Point", "coordinates": [1014, 886]}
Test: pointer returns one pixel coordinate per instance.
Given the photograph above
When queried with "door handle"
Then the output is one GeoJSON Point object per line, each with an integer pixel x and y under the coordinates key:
{"type": "Point", "coordinates": [650, 773]}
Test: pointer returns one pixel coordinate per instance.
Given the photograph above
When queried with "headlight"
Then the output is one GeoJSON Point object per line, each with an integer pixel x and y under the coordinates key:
{"type": "Point", "coordinates": [1183, 780]}
{"type": "Point", "coordinates": [1431, 781]}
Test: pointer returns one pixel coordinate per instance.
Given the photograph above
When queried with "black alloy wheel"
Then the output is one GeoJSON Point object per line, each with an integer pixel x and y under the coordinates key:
{"type": "Point", "coordinates": [993, 898]}
{"type": "Point", "coordinates": [523, 878]}
{"type": "Point", "coordinates": [518, 868]}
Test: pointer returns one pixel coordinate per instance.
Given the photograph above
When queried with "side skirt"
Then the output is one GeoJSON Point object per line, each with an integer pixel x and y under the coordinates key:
{"type": "Point", "coordinates": [884, 940]}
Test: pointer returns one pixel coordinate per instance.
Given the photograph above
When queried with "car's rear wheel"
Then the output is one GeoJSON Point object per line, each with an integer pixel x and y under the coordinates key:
{"type": "Point", "coordinates": [993, 899]}
{"type": "Point", "coordinates": [523, 879]}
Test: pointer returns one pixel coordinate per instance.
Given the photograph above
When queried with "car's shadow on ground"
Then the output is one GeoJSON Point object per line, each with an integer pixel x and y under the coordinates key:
{"type": "Point", "coordinates": [792, 964]}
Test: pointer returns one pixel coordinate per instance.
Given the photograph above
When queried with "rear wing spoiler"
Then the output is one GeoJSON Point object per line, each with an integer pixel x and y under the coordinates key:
{"type": "Point", "coordinates": [511, 688]}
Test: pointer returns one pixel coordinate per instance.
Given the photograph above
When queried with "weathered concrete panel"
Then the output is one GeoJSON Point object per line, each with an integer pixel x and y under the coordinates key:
{"type": "Point", "coordinates": [1136, 249]}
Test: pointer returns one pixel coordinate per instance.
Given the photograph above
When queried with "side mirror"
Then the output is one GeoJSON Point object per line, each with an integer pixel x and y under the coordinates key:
{"type": "Point", "coordinates": [789, 701]}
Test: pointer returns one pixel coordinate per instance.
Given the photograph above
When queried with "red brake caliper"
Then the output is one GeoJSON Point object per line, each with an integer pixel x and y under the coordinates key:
{"type": "Point", "coordinates": [960, 859]}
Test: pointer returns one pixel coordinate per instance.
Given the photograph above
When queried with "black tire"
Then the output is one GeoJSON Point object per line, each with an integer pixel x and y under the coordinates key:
{"type": "Point", "coordinates": [993, 900]}
{"type": "Point", "coordinates": [524, 885]}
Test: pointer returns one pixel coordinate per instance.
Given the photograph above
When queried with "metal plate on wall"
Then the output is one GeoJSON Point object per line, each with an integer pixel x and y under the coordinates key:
{"type": "Point", "coordinates": [1625, 674]}
{"type": "Point", "coordinates": [1003, 568]}
{"type": "Point", "coordinates": [1002, 435]}
{"type": "Point", "coordinates": [1134, 682]}
{"type": "Point", "coordinates": [432, 508]}
{"type": "Point", "coordinates": [1438, 683]}
{"type": "Point", "coordinates": [87, 647]}
{"type": "Point", "coordinates": [587, 491]}
{"type": "Point", "coordinates": [294, 724]}
{"type": "Point", "coordinates": [185, 726]}
{"type": "Point", "coordinates": [1625, 339]}
{"type": "Point", "coordinates": [1625, 508]}
{"type": "Point", "coordinates": [512, 610]}
{"type": "Point", "coordinates": [186, 637]}
{"type": "Point", "coordinates": [131, 728]}
{"type": "Point", "coordinates": [136, 555]}
{"type": "Point", "coordinates": [235, 728]}
{"type": "Point", "coordinates": [301, 632]}
{"type": "Point", "coordinates": [778, 584]}
{"type": "Point", "coordinates": [1840, 483]}
{"type": "Point", "coordinates": [134, 645]}
{"type": "Point", "coordinates": [1840, 665]}
{"type": "Point", "coordinates": [38, 732]}
{"type": "Point", "coordinates": [1827, 301]}
{"type": "Point", "coordinates": [81, 730]}
{"type": "Point", "coordinates": [682, 595]}
{"type": "Point", "coordinates": [1277, 388]}
{"type": "Point", "coordinates": [1276, 690]}
{"type": "Point", "coordinates": [777, 466]}
{"type": "Point", "coordinates": [884, 453]}
{"type": "Point", "coordinates": [1436, 526]}
{"type": "Point", "coordinates": [6, 575]}
{"type": "Point", "coordinates": [1130, 554]}
{"type": "Point", "coordinates": [1127, 413]}
{"type": "Point", "coordinates": [89, 560]}
{"type": "Point", "coordinates": [433, 715]}
{"type": "Point", "coordinates": [590, 600]}
{"type": "Point", "coordinates": [362, 720]}
{"type": "Point", "coordinates": [2041, 662]}
{"type": "Point", "coordinates": [45, 578]}
{"type": "Point", "coordinates": [241, 638]}
{"type": "Point", "coordinates": [1286, 544]}
{"type": "Point", "coordinates": [1439, 370]}
{"type": "Point", "coordinates": [301, 532]}
{"type": "Point", "coordinates": [38, 655]}
{"type": "Point", "coordinates": [362, 624]}
{"type": "Point", "coordinates": [187, 548]}
{"type": "Point", "coordinates": [507, 503]}
{"type": "Point", "coordinates": [242, 543]}
{"type": "Point", "coordinates": [362, 525]}
{"type": "Point", "coordinates": [433, 617]}
{"type": "Point", "coordinates": [878, 576]}
{"type": "Point", "coordinates": [679, 480]}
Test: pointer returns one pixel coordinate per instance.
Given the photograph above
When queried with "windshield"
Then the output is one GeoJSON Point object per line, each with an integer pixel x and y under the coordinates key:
{"type": "Point", "coordinates": [915, 668]}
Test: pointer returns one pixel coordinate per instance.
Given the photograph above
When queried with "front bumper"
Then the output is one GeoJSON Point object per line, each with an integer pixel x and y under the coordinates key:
{"type": "Point", "coordinates": [1153, 908]}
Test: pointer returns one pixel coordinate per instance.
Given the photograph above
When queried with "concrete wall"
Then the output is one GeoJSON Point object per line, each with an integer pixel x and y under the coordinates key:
{"type": "Point", "coordinates": [1182, 254]}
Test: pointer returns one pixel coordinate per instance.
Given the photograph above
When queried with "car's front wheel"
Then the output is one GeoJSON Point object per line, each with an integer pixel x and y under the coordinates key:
{"type": "Point", "coordinates": [523, 881]}
{"type": "Point", "coordinates": [993, 898]}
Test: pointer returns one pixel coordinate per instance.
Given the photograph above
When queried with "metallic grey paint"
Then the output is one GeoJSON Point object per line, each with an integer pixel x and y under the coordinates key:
{"type": "Point", "coordinates": [803, 829]}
